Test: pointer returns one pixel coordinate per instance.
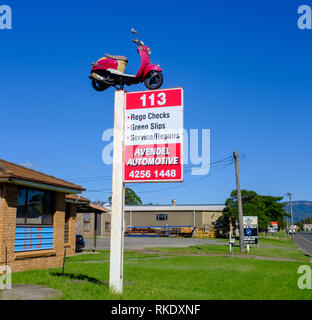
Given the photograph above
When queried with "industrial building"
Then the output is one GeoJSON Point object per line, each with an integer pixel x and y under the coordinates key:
{"type": "Point", "coordinates": [142, 216]}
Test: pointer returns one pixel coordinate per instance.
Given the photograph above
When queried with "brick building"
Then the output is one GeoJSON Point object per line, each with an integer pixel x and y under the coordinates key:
{"type": "Point", "coordinates": [37, 221]}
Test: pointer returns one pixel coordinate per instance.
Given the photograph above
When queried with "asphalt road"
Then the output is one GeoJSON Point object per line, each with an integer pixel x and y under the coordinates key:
{"type": "Point", "coordinates": [134, 243]}
{"type": "Point", "coordinates": [304, 241]}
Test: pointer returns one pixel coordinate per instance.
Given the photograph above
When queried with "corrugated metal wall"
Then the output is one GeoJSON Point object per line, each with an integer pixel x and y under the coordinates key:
{"type": "Point", "coordinates": [33, 238]}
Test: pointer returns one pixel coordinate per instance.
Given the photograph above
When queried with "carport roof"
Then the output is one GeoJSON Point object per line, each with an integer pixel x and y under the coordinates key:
{"type": "Point", "coordinates": [77, 198]}
{"type": "Point", "coordinates": [84, 205]}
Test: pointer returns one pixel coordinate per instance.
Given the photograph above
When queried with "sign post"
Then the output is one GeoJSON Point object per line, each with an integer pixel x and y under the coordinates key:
{"type": "Point", "coordinates": [117, 217]}
{"type": "Point", "coordinates": [250, 230]}
{"type": "Point", "coordinates": [147, 147]}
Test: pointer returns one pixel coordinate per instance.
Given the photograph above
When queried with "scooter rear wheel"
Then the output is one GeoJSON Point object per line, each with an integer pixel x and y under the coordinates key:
{"type": "Point", "coordinates": [154, 80]}
{"type": "Point", "coordinates": [98, 86]}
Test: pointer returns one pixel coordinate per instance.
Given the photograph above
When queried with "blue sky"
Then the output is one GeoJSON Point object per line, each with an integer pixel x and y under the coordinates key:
{"type": "Point", "coordinates": [245, 67]}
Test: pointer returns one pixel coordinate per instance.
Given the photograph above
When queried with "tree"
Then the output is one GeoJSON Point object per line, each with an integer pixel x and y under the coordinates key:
{"type": "Point", "coordinates": [131, 198]}
{"type": "Point", "coordinates": [266, 208]}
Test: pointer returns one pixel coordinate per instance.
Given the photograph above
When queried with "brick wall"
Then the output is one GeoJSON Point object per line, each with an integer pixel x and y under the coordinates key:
{"type": "Point", "coordinates": [70, 250]}
{"type": "Point", "coordinates": [36, 259]}
{"type": "Point", "coordinates": [8, 221]}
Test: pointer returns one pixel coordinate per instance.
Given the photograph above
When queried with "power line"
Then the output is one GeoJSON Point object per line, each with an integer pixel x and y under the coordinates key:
{"type": "Point", "coordinates": [109, 177]}
{"type": "Point", "coordinates": [225, 162]}
{"type": "Point", "coordinates": [170, 188]}
{"type": "Point", "coordinates": [186, 184]}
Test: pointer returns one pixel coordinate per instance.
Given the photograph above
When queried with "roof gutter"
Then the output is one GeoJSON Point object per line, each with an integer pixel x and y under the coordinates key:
{"type": "Point", "coordinates": [77, 202]}
{"type": "Point", "coordinates": [42, 186]}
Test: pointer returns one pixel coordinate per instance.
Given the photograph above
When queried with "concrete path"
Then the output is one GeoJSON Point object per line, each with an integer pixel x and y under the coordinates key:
{"type": "Point", "coordinates": [29, 292]}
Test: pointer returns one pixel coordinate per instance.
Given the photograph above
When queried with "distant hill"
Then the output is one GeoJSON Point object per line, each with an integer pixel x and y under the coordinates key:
{"type": "Point", "coordinates": [301, 209]}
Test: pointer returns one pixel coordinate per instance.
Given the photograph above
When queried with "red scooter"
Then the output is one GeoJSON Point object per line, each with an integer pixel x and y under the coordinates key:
{"type": "Point", "coordinates": [109, 70]}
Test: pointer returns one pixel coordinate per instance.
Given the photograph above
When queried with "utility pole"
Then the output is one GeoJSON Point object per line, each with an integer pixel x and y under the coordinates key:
{"type": "Point", "coordinates": [291, 214]}
{"type": "Point", "coordinates": [239, 203]}
{"type": "Point", "coordinates": [286, 218]}
{"type": "Point", "coordinates": [290, 207]}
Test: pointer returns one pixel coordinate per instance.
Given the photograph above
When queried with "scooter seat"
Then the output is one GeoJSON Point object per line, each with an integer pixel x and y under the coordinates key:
{"type": "Point", "coordinates": [121, 58]}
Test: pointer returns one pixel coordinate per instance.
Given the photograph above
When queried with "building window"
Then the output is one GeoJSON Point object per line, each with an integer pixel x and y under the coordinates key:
{"type": "Point", "coordinates": [107, 226]}
{"type": "Point", "coordinates": [161, 217]}
{"type": "Point", "coordinates": [86, 226]}
{"type": "Point", "coordinates": [34, 207]}
{"type": "Point", "coordinates": [86, 221]}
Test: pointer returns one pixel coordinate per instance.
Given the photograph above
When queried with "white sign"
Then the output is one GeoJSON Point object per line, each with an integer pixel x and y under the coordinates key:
{"type": "Point", "coordinates": [154, 136]}
{"type": "Point", "coordinates": [250, 221]}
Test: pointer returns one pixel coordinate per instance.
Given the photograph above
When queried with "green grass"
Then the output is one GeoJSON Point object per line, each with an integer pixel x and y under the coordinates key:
{"type": "Point", "coordinates": [104, 255]}
{"type": "Point", "coordinates": [209, 249]}
{"type": "Point", "coordinates": [280, 239]}
{"type": "Point", "coordinates": [287, 243]}
{"type": "Point", "coordinates": [179, 277]}
{"type": "Point", "coordinates": [192, 273]}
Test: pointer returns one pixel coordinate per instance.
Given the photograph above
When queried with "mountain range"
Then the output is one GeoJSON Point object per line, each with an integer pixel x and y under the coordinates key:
{"type": "Point", "coordinates": [301, 209]}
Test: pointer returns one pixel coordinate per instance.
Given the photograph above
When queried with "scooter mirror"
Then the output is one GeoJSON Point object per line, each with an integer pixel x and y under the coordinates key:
{"type": "Point", "coordinates": [134, 31]}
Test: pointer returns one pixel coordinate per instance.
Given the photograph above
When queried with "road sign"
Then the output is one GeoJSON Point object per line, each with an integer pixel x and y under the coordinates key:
{"type": "Point", "coordinates": [154, 136]}
{"type": "Point", "coordinates": [250, 229]}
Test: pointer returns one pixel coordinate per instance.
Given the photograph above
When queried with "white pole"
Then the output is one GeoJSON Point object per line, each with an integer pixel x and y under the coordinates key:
{"type": "Point", "coordinates": [247, 247]}
{"type": "Point", "coordinates": [117, 217]}
{"type": "Point", "coordinates": [230, 242]}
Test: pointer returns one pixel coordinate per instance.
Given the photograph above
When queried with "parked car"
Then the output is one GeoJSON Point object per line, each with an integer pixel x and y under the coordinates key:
{"type": "Point", "coordinates": [80, 243]}
{"type": "Point", "coordinates": [292, 230]}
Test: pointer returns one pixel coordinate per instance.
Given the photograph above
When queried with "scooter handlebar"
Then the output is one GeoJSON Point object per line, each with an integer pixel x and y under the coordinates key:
{"type": "Point", "coordinates": [135, 41]}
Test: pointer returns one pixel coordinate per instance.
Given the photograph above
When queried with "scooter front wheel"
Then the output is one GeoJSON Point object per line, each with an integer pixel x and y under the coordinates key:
{"type": "Point", "coordinates": [98, 86]}
{"type": "Point", "coordinates": [154, 80]}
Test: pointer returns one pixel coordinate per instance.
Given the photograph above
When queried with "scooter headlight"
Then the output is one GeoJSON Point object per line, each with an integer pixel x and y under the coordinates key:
{"type": "Point", "coordinates": [149, 51]}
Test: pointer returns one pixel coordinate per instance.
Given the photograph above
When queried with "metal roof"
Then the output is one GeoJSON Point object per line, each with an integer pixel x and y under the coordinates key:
{"type": "Point", "coordinates": [185, 207]}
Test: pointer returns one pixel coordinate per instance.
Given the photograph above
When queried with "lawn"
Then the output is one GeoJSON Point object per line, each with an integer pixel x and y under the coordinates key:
{"type": "Point", "coordinates": [280, 239]}
{"type": "Point", "coordinates": [101, 255]}
{"type": "Point", "coordinates": [200, 272]}
{"type": "Point", "coordinates": [209, 249]}
{"type": "Point", "coordinates": [176, 277]}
